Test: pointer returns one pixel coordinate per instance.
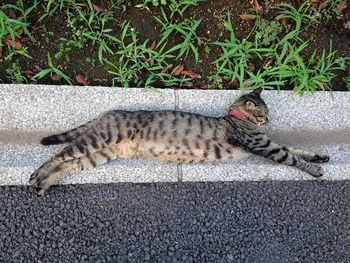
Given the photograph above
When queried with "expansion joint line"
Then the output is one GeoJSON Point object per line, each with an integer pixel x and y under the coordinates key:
{"type": "Point", "coordinates": [179, 166]}
{"type": "Point", "coordinates": [176, 96]}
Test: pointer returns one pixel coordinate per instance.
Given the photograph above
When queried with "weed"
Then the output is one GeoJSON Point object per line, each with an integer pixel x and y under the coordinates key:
{"type": "Point", "coordinates": [186, 29]}
{"type": "Point", "coordinates": [283, 62]}
{"type": "Point", "coordinates": [14, 73]}
{"type": "Point", "coordinates": [50, 71]}
{"type": "Point", "coordinates": [300, 16]}
{"type": "Point", "coordinates": [268, 32]}
{"type": "Point", "coordinates": [154, 2]}
{"type": "Point", "coordinates": [134, 62]}
{"type": "Point", "coordinates": [329, 9]}
{"type": "Point", "coordinates": [9, 26]}
{"type": "Point", "coordinates": [233, 64]}
{"type": "Point", "coordinates": [63, 51]}
{"type": "Point", "coordinates": [90, 61]}
{"type": "Point", "coordinates": [175, 6]}
{"type": "Point", "coordinates": [12, 52]}
{"type": "Point", "coordinates": [86, 24]}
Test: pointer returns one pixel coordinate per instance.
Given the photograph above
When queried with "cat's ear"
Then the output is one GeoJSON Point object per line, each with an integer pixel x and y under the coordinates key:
{"type": "Point", "coordinates": [250, 105]}
{"type": "Point", "coordinates": [257, 91]}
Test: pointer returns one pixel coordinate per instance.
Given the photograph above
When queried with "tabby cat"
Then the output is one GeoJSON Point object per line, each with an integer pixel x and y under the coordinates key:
{"type": "Point", "coordinates": [170, 136]}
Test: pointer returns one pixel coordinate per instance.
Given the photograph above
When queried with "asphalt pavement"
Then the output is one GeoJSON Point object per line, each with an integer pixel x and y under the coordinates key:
{"type": "Point", "coordinates": [275, 221]}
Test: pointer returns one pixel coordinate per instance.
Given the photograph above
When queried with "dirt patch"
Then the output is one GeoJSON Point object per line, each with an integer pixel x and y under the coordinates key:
{"type": "Point", "coordinates": [48, 34]}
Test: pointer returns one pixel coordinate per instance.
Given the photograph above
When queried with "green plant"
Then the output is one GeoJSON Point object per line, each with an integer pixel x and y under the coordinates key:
{"type": "Point", "coordinates": [53, 6]}
{"type": "Point", "coordinates": [299, 15]}
{"type": "Point", "coordinates": [19, 7]}
{"type": "Point", "coordinates": [280, 63]}
{"type": "Point", "coordinates": [86, 22]}
{"type": "Point", "coordinates": [63, 51]}
{"type": "Point", "coordinates": [233, 64]}
{"type": "Point", "coordinates": [347, 81]}
{"type": "Point", "coordinates": [318, 72]}
{"type": "Point", "coordinates": [14, 73]}
{"type": "Point", "coordinates": [50, 71]}
{"type": "Point", "coordinates": [268, 32]}
{"type": "Point", "coordinates": [175, 6]}
{"type": "Point", "coordinates": [187, 31]}
{"type": "Point", "coordinates": [138, 64]}
{"type": "Point", "coordinates": [329, 9]}
{"type": "Point", "coordinates": [11, 29]}
{"type": "Point", "coordinates": [90, 61]}
{"type": "Point", "coordinates": [9, 26]}
{"type": "Point", "coordinates": [154, 2]}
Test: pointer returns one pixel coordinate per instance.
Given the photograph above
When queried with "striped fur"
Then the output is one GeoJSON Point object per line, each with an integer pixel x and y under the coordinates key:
{"type": "Point", "coordinates": [170, 136]}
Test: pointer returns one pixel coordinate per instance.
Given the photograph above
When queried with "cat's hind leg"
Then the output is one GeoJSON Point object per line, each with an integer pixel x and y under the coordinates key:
{"type": "Point", "coordinates": [85, 145]}
{"type": "Point", "coordinates": [43, 179]}
{"type": "Point", "coordinates": [309, 156]}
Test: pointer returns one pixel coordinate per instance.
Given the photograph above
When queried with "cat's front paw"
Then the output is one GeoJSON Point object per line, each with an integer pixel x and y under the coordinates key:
{"type": "Point", "coordinates": [319, 158]}
{"type": "Point", "coordinates": [315, 170]}
{"type": "Point", "coordinates": [40, 181]}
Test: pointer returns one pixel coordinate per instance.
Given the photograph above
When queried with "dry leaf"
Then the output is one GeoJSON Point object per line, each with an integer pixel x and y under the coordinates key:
{"type": "Point", "coordinates": [191, 74]}
{"type": "Point", "coordinates": [258, 7]}
{"type": "Point", "coordinates": [167, 68]}
{"type": "Point", "coordinates": [19, 32]}
{"type": "Point", "coordinates": [247, 17]}
{"type": "Point", "coordinates": [284, 21]}
{"type": "Point", "coordinates": [12, 14]}
{"type": "Point", "coordinates": [342, 5]}
{"type": "Point", "coordinates": [269, 63]}
{"type": "Point", "coordinates": [36, 27]}
{"type": "Point", "coordinates": [16, 44]}
{"type": "Point", "coordinates": [100, 80]}
{"type": "Point", "coordinates": [55, 77]}
{"type": "Point", "coordinates": [29, 73]}
{"type": "Point", "coordinates": [24, 40]}
{"type": "Point", "coordinates": [178, 70]}
{"type": "Point", "coordinates": [234, 84]}
{"type": "Point", "coordinates": [38, 69]}
{"type": "Point", "coordinates": [251, 66]}
{"type": "Point", "coordinates": [153, 45]}
{"type": "Point", "coordinates": [81, 80]}
{"type": "Point", "coordinates": [97, 8]}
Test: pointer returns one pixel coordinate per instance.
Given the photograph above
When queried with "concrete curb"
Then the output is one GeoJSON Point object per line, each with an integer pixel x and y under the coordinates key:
{"type": "Point", "coordinates": [27, 112]}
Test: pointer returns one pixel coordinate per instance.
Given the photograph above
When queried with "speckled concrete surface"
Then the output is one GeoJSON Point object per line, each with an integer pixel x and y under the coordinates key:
{"type": "Point", "coordinates": [320, 123]}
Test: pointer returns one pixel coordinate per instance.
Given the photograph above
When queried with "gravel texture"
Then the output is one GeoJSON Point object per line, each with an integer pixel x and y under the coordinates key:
{"type": "Point", "coordinates": [179, 222]}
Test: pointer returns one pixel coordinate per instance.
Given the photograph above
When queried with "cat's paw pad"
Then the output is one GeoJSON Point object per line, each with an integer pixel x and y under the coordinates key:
{"type": "Point", "coordinates": [320, 158]}
{"type": "Point", "coordinates": [315, 170]}
{"type": "Point", "coordinates": [40, 182]}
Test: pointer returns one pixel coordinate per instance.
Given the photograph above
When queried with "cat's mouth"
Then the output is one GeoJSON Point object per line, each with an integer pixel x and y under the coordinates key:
{"type": "Point", "coordinates": [238, 115]}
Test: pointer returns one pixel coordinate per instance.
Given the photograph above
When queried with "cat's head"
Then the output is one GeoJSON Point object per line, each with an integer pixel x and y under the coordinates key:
{"type": "Point", "coordinates": [253, 106]}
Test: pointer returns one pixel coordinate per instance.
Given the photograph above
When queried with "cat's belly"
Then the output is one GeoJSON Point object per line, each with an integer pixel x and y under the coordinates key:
{"type": "Point", "coordinates": [178, 154]}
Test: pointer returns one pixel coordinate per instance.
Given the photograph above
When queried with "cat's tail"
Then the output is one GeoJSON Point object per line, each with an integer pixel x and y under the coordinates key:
{"type": "Point", "coordinates": [65, 137]}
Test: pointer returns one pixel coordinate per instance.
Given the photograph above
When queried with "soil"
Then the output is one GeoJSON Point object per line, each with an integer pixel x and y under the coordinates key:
{"type": "Point", "coordinates": [143, 21]}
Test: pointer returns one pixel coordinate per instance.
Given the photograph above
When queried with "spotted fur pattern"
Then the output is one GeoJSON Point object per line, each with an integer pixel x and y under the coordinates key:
{"type": "Point", "coordinates": [170, 136]}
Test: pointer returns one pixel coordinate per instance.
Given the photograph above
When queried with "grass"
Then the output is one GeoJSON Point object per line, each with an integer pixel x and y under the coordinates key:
{"type": "Point", "coordinates": [10, 27]}
{"type": "Point", "coordinates": [51, 70]}
{"type": "Point", "coordinates": [139, 64]}
{"type": "Point", "coordinates": [283, 59]}
{"type": "Point", "coordinates": [14, 73]}
{"type": "Point", "coordinates": [187, 31]}
{"type": "Point", "coordinates": [271, 56]}
{"type": "Point", "coordinates": [175, 6]}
